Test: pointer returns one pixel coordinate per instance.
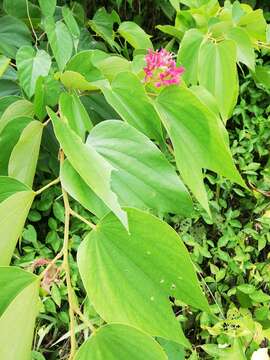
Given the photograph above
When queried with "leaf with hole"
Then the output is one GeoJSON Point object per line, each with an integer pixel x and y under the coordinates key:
{"type": "Point", "coordinates": [142, 267]}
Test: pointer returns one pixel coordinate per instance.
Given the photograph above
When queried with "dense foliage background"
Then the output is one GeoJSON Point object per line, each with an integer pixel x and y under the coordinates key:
{"type": "Point", "coordinates": [230, 250]}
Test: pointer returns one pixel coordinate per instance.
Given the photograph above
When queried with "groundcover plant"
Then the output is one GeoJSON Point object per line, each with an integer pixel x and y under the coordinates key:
{"type": "Point", "coordinates": [108, 138]}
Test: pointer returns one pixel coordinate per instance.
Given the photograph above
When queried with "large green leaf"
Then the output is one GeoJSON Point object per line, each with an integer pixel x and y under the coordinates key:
{"type": "Point", "coordinates": [15, 109]}
{"type": "Point", "coordinates": [31, 64]}
{"type": "Point", "coordinates": [123, 272]}
{"type": "Point", "coordinates": [13, 34]}
{"type": "Point", "coordinates": [198, 139]}
{"type": "Point", "coordinates": [19, 305]}
{"type": "Point", "coordinates": [23, 159]}
{"type": "Point", "coordinates": [128, 97]}
{"type": "Point", "coordinates": [73, 111]}
{"type": "Point", "coordinates": [60, 41]}
{"type": "Point", "coordinates": [91, 166]}
{"type": "Point", "coordinates": [144, 178]}
{"type": "Point", "coordinates": [135, 35]}
{"type": "Point", "coordinates": [80, 191]}
{"type": "Point", "coordinates": [16, 199]}
{"type": "Point", "coordinates": [120, 342]}
{"type": "Point", "coordinates": [218, 74]}
{"type": "Point", "coordinates": [188, 55]}
{"type": "Point", "coordinates": [9, 136]}
{"type": "Point", "coordinates": [245, 51]}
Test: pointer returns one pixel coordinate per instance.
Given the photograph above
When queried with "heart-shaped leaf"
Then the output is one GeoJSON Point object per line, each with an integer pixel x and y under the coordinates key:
{"type": "Point", "coordinates": [130, 276]}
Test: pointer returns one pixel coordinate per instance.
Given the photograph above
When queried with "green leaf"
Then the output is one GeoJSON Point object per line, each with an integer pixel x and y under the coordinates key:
{"type": "Point", "coordinates": [18, 9]}
{"type": "Point", "coordinates": [144, 178]}
{"type": "Point", "coordinates": [120, 342]}
{"type": "Point", "coordinates": [255, 25]}
{"type": "Point", "coordinates": [135, 35]}
{"type": "Point", "coordinates": [15, 109]}
{"type": "Point", "coordinates": [198, 139]}
{"type": "Point", "coordinates": [9, 44]}
{"type": "Point", "coordinates": [47, 93]}
{"type": "Point", "coordinates": [112, 66]}
{"type": "Point", "coordinates": [16, 199]}
{"type": "Point", "coordinates": [19, 305]}
{"type": "Point", "coordinates": [71, 22]}
{"type": "Point", "coordinates": [81, 72]}
{"type": "Point", "coordinates": [262, 75]}
{"type": "Point", "coordinates": [23, 159]}
{"type": "Point", "coordinates": [173, 350]}
{"type": "Point", "coordinates": [80, 191]}
{"type": "Point", "coordinates": [47, 7]}
{"type": "Point", "coordinates": [142, 267]}
{"type": "Point", "coordinates": [234, 352]}
{"type": "Point", "coordinates": [171, 30]}
{"type": "Point", "coordinates": [74, 113]}
{"type": "Point", "coordinates": [91, 166]}
{"type": "Point", "coordinates": [128, 97]}
{"type": "Point", "coordinates": [245, 51]}
{"type": "Point", "coordinates": [9, 88]}
{"type": "Point", "coordinates": [206, 98]}
{"type": "Point", "coordinates": [60, 41]}
{"type": "Point", "coordinates": [4, 62]}
{"type": "Point", "coordinates": [9, 137]}
{"type": "Point", "coordinates": [102, 24]}
{"type": "Point", "coordinates": [175, 4]}
{"type": "Point", "coordinates": [5, 101]}
{"type": "Point", "coordinates": [31, 64]}
{"type": "Point", "coordinates": [218, 74]}
{"type": "Point", "coordinates": [188, 55]}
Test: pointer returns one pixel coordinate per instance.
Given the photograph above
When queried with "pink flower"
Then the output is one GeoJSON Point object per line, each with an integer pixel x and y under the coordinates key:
{"type": "Point", "coordinates": [161, 68]}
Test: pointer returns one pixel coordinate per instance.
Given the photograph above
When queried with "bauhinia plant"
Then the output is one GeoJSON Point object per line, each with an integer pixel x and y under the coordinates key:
{"type": "Point", "coordinates": [132, 263]}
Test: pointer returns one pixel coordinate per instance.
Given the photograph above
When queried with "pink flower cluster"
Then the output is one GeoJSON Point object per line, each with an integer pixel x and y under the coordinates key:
{"type": "Point", "coordinates": [161, 68]}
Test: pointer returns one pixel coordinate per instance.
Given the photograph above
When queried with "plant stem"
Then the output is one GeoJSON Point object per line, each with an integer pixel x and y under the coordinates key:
{"type": "Point", "coordinates": [85, 320]}
{"type": "Point", "coordinates": [78, 216]}
{"type": "Point", "coordinates": [55, 181]}
{"type": "Point", "coordinates": [31, 24]}
{"type": "Point", "coordinates": [58, 256]}
{"type": "Point", "coordinates": [73, 344]}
